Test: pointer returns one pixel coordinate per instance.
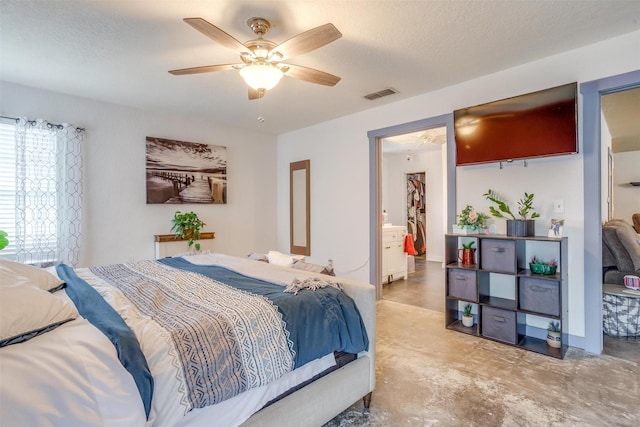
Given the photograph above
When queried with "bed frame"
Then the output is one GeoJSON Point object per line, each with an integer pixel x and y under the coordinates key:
{"type": "Point", "coordinates": [322, 400]}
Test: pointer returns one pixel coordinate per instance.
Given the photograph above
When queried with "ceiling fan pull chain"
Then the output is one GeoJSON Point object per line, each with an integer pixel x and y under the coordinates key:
{"type": "Point", "coordinates": [261, 109]}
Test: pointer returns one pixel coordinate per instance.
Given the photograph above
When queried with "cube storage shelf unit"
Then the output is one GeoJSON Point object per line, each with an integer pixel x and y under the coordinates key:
{"type": "Point", "coordinates": [511, 304]}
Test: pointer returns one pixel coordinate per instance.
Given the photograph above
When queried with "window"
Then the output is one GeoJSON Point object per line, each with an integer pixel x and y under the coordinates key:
{"type": "Point", "coordinates": [8, 185]}
{"type": "Point", "coordinates": [40, 191]}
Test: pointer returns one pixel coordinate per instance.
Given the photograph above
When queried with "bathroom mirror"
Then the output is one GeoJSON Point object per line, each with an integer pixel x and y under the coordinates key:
{"type": "Point", "coordinates": [299, 208]}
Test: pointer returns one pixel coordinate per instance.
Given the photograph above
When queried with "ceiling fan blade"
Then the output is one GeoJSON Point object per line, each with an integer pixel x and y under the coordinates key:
{"type": "Point", "coordinates": [216, 34]}
{"type": "Point", "coordinates": [311, 75]}
{"type": "Point", "coordinates": [204, 69]}
{"type": "Point", "coordinates": [308, 41]}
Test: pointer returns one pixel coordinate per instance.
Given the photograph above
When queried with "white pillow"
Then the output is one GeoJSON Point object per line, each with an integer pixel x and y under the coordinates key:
{"type": "Point", "coordinates": [35, 276]}
{"type": "Point", "coordinates": [278, 258]}
{"type": "Point", "coordinates": [27, 311]}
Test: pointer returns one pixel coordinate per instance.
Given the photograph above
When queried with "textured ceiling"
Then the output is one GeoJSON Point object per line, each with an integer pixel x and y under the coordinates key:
{"type": "Point", "coordinates": [120, 51]}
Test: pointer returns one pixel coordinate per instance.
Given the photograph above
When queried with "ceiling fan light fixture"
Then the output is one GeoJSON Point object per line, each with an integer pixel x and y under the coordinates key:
{"type": "Point", "coordinates": [261, 76]}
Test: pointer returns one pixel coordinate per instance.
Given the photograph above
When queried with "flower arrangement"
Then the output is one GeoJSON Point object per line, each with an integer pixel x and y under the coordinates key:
{"type": "Point", "coordinates": [538, 266]}
{"type": "Point", "coordinates": [470, 217]}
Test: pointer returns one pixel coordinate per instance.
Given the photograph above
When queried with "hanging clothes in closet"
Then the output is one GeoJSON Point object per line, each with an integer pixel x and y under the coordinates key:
{"type": "Point", "coordinates": [416, 210]}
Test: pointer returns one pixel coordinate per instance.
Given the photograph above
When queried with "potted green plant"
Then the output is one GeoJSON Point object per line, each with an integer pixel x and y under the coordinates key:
{"type": "Point", "coordinates": [554, 335]}
{"type": "Point", "coordinates": [3, 240]}
{"type": "Point", "coordinates": [187, 226]}
{"type": "Point", "coordinates": [537, 266]}
{"type": "Point", "coordinates": [522, 226]}
{"type": "Point", "coordinates": [466, 254]}
{"type": "Point", "coordinates": [467, 317]}
{"type": "Point", "coordinates": [470, 221]}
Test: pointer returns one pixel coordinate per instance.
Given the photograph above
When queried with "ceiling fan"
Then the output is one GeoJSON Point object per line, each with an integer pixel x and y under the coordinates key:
{"type": "Point", "coordinates": [262, 66]}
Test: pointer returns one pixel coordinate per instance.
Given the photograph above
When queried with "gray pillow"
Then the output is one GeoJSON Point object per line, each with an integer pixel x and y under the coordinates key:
{"type": "Point", "coordinates": [314, 268]}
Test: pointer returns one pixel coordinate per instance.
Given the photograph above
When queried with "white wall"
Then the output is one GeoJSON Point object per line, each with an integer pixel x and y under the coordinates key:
{"type": "Point", "coordinates": [395, 167]}
{"type": "Point", "coordinates": [626, 198]}
{"type": "Point", "coordinates": [118, 225]}
{"type": "Point", "coordinates": [339, 153]}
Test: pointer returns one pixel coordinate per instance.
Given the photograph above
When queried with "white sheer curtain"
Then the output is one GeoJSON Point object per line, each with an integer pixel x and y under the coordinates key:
{"type": "Point", "coordinates": [48, 192]}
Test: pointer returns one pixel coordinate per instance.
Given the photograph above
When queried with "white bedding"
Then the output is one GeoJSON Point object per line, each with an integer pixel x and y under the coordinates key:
{"type": "Point", "coordinates": [71, 376]}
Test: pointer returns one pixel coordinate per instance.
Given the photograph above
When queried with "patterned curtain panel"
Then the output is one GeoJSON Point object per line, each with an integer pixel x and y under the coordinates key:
{"type": "Point", "coordinates": [48, 192]}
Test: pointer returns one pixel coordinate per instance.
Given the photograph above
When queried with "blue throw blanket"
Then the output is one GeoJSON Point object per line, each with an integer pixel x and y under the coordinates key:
{"type": "Point", "coordinates": [96, 310]}
{"type": "Point", "coordinates": [319, 322]}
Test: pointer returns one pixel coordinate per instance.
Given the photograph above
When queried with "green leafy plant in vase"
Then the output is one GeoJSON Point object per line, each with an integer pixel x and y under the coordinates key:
{"type": "Point", "coordinates": [467, 254]}
{"type": "Point", "coordinates": [554, 335]}
{"type": "Point", "coordinates": [3, 240]}
{"type": "Point", "coordinates": [467, 317]}
{"type": "Point", "coordinates": [187, 226]}
{"type": "Point", "coordinates": [522, 225]}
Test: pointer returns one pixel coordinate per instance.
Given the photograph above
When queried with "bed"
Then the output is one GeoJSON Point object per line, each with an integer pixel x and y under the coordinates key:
{"type": "Point", "coordinates": [117, 346]}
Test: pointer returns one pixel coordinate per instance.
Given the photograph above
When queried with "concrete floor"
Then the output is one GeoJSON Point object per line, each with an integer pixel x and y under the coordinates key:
{"type": "Point", "coordinates": [428, 375]}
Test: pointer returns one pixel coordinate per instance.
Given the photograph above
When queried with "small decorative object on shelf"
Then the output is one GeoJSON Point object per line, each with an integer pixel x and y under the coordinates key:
{"type": "Point", "coordinates": [470, 221]}
{"type": "Point", "coordinates": [467, 317]}
{"type": "Point", "coordinates": [518, 227]}
{"type": "Point", "coordinates": [538, 266]}
{"type": "Point", "coordinates": [554, 335]}
{"type": "Point", "coordinates": [187, 226]}
{"type": "Point", "coordinates": [555, 228]}
{"type": "Point", "coordinates": [467, 254]}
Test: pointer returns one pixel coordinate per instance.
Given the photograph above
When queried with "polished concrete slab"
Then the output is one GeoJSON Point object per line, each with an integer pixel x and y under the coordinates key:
{"type": "Point", "coordinates": [427, 375]}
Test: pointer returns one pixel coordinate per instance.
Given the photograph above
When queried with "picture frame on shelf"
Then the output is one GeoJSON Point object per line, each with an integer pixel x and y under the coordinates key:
{"type": "Point", "coordinates": [556, 228]}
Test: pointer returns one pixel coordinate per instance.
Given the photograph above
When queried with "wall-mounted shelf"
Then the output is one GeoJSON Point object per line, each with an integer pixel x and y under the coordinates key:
{"type": "Point", "coordinates": [166, 245]}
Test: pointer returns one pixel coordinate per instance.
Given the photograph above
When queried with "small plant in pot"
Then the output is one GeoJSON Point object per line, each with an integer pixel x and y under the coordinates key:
{"type": "Point", "coordinates": [522, 226]}
{"type": "Point", "coordinates": [537, 266]}
{"type": "Point", "coordinates": [466, 254]}
{"type": "Point", "coordinates": [467, 317]}
{"type": "Point", "coordinates": [3, 239]}
{"type": "Point", "coordinates": [554, 335]}
{"type": "Point", "coordinates": [187, 226]}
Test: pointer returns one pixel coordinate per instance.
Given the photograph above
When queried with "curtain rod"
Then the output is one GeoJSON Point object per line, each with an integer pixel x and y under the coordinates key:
{"type": "Point", "coordinates": [33, 122]}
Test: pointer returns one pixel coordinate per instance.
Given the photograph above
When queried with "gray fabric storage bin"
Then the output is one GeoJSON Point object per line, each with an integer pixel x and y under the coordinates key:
{"type": "Point", "coordinates": [498, 255]}
{"type": "Point", "coordinates": [541, 296]}
{"type": "Point", "coordinates": [463, 284]}
{"type": "Point", "coordinates": [499, 324]}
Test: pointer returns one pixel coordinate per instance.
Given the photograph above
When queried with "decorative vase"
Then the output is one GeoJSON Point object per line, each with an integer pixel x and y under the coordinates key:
{"type": "Point", "coordinates": [467, 256]}
{"type": "Point", "coordinates": [554, 339]}
{"type": "Point", "coordinates": [467, 321]}
{"type": "Point", "coordinates": [521, 227]}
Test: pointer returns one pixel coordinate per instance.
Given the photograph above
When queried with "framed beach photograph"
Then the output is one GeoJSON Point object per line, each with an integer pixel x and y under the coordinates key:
{"type": "Point", "coordinates": [185, 172]}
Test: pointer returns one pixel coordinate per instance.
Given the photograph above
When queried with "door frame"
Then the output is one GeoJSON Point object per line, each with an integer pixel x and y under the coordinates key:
{"type": "Point", "coordinates": [375, 184]}
{"type": "Point", "coordinates": [592, 161]}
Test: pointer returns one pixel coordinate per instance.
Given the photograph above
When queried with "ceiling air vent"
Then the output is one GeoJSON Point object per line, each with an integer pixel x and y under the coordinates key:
{"type": "Point", "coordinates": [380, 94]}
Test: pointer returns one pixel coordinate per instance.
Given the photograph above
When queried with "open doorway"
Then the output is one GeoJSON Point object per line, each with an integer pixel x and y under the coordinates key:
{"type": "Point", "coordinates": [595, 171]}
{"type": "Point", "coordinates": [620, 140]}
{"type": "Point", "coordinates": [413, 195]}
